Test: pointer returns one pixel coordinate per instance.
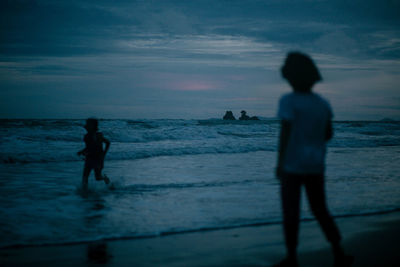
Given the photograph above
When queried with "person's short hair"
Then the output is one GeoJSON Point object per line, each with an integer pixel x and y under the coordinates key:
{"type": "Point", "coordinates": [94, 122]}
{"type": "Point", "coordinates": [300, 71]}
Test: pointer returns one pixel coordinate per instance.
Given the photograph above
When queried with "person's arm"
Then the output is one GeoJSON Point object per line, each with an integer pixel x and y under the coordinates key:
{"type": "Point", "coordinates": [283, 142]}
{"type": "Point", "coordinates": [329, 131]}
{"type": "Point", "coordinates": [83, 151]}
{"type": "Point", "coordinates": [107, 142]}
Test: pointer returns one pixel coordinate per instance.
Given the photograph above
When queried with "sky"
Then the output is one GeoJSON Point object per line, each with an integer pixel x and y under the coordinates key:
{"type": "Point", "coordinates": [194, 59]}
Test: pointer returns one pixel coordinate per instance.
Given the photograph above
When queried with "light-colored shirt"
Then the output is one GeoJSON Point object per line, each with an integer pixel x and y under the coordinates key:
{"type": "Point", "coordinates": [309, 115]}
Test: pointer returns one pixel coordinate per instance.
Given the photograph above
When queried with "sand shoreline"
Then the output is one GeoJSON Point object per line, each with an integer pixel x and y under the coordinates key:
{"type": "Point", "coordinates": [373, 240]}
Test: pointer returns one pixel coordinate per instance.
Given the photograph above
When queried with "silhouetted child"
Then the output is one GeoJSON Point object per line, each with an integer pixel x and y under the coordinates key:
{"type": "Point", "coordinates": [305, 128]}
{"type": "Point", "coordinates": [94, 152]}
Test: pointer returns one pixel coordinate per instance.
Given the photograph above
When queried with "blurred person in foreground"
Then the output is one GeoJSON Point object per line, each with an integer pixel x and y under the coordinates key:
{"type": "Point", "coordinates": [306, 126]}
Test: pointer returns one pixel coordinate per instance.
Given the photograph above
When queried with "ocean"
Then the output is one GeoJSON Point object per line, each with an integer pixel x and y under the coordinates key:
{"type": "Point", "coordinates": [176, 176]}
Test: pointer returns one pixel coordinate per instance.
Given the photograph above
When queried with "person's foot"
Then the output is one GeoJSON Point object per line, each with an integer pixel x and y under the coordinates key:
{"type": "Point", "coordinates": [106, 179]}
{"type": "Point", "coordinates": [343, 261]}
{"type": "Point", "coordinates": [287, 262]}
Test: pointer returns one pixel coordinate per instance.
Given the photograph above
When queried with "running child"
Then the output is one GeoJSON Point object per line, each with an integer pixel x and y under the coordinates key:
{"type": "Point", "coordinates": [94, 152]}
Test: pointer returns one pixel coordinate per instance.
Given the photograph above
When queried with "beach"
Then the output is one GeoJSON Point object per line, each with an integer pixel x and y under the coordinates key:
{"type": "Point", "coordinates": [372, 240]}
{"type": "Point", "coordinates": [177, 133]}
{"type": "Point", "coordinates": [187, 193]}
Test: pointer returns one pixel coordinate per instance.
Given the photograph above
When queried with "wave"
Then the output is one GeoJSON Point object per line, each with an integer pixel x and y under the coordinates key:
{"type": "Point", "coordinates": [156, 187]}
{"type": "Point", "coordinates": [71, 157]}
{"type": "Point", "coordinates": [25, 141]}
{"type": "Point", "coordinates": [244, 135]}
{"type": "Point", "coordinates": [215, 122]}
{"type": "Point", "coordinates": [141, 124]}
{"type": "Point", "coordinates": [256, 223]}
{"type": "Point", "coordinates": [37, 123]}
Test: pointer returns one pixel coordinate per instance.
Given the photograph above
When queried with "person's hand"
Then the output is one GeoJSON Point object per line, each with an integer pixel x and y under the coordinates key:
{"type": "Point", "coordinates": [81, 153]}
{"type": "Point", "coordinates": [278, 173]}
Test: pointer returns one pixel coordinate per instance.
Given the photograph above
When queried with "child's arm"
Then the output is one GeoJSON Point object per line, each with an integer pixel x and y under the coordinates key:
{"type": "Point", "coordinates": [283, 141]}
{"type": "Point", "coordinates": [107, 142]}
{"type": "Point", "coordinates": [82, 152]}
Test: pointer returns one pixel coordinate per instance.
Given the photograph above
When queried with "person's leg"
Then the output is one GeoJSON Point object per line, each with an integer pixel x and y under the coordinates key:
{"type": "Point", "coordinates": [315, 188]}
{"type": "Point", "coordinates": [85, 176]}
{"type": "Point", "coordinates": [99, 176]}
{"type": "Point", "coordinates": [290, 198]}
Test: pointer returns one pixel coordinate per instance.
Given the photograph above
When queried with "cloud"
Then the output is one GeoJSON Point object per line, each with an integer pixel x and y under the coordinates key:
{"type": "Point", "coordinates": [386, 44]}
{"type": "Point", "coordinates": [193, 86]}
{"type": "Point", "coordinates": [211, 50]}
{"type": "Point", "coordinates": [338, 43]}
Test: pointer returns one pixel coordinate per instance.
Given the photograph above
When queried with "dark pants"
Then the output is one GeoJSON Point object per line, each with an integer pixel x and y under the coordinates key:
{"type": "Point", "coordinates": [290, 194]}
{"type": "Point", "coordinates": [92, 164]}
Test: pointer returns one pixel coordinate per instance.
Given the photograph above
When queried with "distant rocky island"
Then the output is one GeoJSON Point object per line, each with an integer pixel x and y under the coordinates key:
{"type": "Point", "coordinates": [244, 117]}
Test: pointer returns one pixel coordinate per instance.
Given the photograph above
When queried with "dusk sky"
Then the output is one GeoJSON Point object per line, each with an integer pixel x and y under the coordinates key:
{"type": "Point", "coordinates": [193, 59]}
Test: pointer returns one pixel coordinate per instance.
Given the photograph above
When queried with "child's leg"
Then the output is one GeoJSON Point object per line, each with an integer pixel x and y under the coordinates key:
{"type": "Point", "coordinates": [290, 198]}
{"type": "Point", "coordinates": [316, 196]}
{"type": "Point", "coordinates": [99, 176]}
{"type": "Point", "coordinates": [85, 176]}
{"type": "Point", "coordinates": [315, 190]}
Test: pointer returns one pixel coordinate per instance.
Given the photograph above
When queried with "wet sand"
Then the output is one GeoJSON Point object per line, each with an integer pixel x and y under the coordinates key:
{"type": "Point", "coordinates": [373, 240]}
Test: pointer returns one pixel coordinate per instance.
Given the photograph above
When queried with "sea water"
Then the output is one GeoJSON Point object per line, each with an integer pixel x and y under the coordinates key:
{"type": "Point", "coordinates": [175, 176]}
